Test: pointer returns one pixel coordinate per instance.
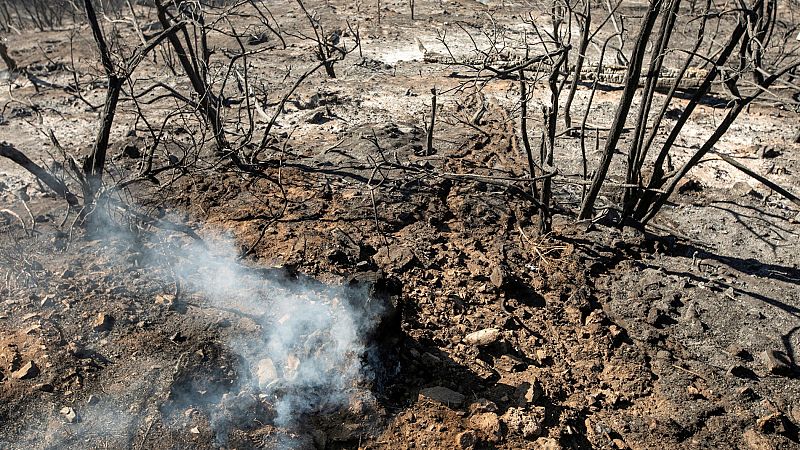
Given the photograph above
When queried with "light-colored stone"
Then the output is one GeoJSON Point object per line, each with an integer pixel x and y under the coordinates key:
{"type": "Point", "coordinates": [528, 424]}
{"type": "Point", "coordinates": [167, 300]}
{"type": "Point", "coordinates": [488, 425]}
{"type": "Point", "coordinates": [102, 322]}
{"type": "Point", "coordinates": [26, 372]}
{"type": "Point", "coordinates": [69, 414]}
{"type": "Point", "coordinates": [266, 372]}
{"type": "Point", "coordinates": [482, 337]}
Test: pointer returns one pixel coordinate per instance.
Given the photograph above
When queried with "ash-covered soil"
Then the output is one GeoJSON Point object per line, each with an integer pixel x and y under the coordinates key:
{"type": "Point", "coordinates": [387, 299]}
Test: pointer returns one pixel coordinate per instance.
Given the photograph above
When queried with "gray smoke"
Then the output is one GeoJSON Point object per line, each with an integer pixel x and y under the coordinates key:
{"type": "Point", "coordinates": [302, 356]}
{"type": "Point", "coordinates": [307, 356]}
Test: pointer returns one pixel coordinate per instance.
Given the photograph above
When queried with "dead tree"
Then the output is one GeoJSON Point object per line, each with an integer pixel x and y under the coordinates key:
{"type": "Point", "coordinates": [620, 116]}
{"type": "Point", "coordinates": [330, 47]}
{"type": "Point", "coordinates": [91, 175]}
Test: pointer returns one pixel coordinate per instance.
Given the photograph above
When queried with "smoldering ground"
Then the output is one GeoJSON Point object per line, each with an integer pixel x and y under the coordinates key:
{"type": "Point", "coordinates": [286, 350]}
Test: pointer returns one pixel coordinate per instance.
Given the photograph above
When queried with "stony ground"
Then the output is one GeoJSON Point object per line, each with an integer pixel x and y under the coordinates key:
{"type": "Point", "coordinates": [455, 324]}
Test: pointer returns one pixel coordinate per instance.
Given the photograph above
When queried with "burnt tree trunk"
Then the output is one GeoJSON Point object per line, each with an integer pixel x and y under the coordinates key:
{"type": "Point", "coordinates": [631, 83]}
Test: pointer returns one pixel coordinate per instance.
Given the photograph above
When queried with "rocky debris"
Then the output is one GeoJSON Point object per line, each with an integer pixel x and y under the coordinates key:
{"type": "Point", "coordinates": [488, 425]}
{"type": "Point", "coordinates": [482, 337]}
{"type": "Point", "coordinates": [466, 440]}
{"type": "Point", "coordinates": [777, 362]}
{"type": "Point", "coordinates": [69, 414]}
{"type": "Point", "coordinates": [102, 322]}
{"type": "Point", "coordinates": [528, 424]}
{"type": "Point", "coordinates": [27, 371]}
{"type": "Point", "coordinates": [373, 64]}
{"type": "Point", "coordinates": [442, 395]}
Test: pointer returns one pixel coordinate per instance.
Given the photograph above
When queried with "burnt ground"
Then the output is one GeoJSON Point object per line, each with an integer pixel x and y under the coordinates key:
{"type": "Point", "coordinates": [684, 335]}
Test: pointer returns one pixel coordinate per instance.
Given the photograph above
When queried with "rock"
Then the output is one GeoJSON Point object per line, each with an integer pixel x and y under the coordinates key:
{"type": "Point", "coordinates": [103, 322]}
{"type": "Point", "coordinates": [796, 138]}
{"type": "Point", "coordinates": [69, 414]}
{"type": "Point", "coordinates": [258, 38]}
{"type": "Point", "coordinates": [466, 440]}
{"type": "Point", "coordinates": [26, 372]}
{"type": "Point", "coordinates": [482, 405]}
{"type": "Point", "coordinates": [266, 372]}
{"type": "Point", "coordinates": [442, 395]}
{"type": "Point", "coordinates": [746, 394]}
{"type": "Point", "coordinates": [529, 425]}
{"type": "Point", "coordinates": [511, 364]}
{"type": "Point", "coordinates": [47, 301]}
{"type": "Point", "coordinates": [619, 443]}
{"type": "Point", "coordinates": [497, 276]}
{"type": "Point", "coordinates": [131, 151]}
{"type": "Point", "coordinates": [394, 257]}
{"type": "Point", "coordinates": [45, 387]}
{"type": "Point", "coordinates": [67, 274]}
{"type": "Point", "coordinates": [482, 337]}
{"type": "Point", "coordinates": [547, 444]}
{"type": "Point", "coordinates": [740, 371]}
{"type": "Point", "coordinates": [690, 185]}
{"type": "Point", "coordinates": [777, 362]}
{"type": "Point", "coordinates": [773, 423]}
{"type": "Point", "coordinates": [488, 425]}
{"type": "Point", "coordinates": [740, 352]}
{"type": "Point", "coordinates": [768, 152]}
{"type": "Point", "coordinates": [742, 188]}
{"type": "Point", "coordinates": [663, 355]}
{"type": "Point", "coordinates": [529, 393]}
{"type": "Point", "coordinates": [167, 300]}
{"type": "Point", "coordinates": [757, 441]}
